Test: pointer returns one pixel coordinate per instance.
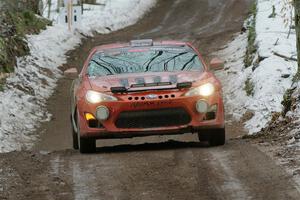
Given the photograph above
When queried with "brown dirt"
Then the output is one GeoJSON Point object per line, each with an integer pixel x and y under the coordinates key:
{"type": "Point", "coordinates": [280, 140]}
{"type": "Point", "coordinates": [164, 167]}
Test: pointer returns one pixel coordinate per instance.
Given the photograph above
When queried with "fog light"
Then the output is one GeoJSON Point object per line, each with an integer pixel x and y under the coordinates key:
{"type": "Point", "coordinates": [89, 116]}
{"type": "Point", "coordinates": [102, 113]}
{"type": "Point", "coordinates": [202, 106]}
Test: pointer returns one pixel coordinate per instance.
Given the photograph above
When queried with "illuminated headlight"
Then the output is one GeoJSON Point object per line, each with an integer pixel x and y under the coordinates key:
{"type": "Point", "coordinates": [97, 97]}
{"type": "Point", "coordinates": [203, 90]}
{"type": "Point", "coordinates": [202, 106]}
{"type": "Point", "coordinates": [102, 113]}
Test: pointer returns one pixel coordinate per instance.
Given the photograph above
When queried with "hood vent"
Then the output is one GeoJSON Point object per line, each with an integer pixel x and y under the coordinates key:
{"type": "Point", "coordinates": [150, 84]}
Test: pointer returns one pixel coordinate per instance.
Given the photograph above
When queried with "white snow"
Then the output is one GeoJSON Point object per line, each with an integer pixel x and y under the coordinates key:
{"type": "Point", "coordinates": [107, 15]}
{"type": "Point", "coordinates": [267, 77]}
{"type": "Point", "coordinates": [23, 99]}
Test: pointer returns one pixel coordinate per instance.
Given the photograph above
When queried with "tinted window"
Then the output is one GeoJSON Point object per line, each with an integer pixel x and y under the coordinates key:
{"type": "Point", "coordinates": [120, 61]}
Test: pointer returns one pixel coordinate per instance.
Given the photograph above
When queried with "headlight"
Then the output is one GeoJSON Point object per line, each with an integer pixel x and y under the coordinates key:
{"type": "Point", "coordinates": [97, 97]}
{"type": "Point", "coordinates": [203, 90]}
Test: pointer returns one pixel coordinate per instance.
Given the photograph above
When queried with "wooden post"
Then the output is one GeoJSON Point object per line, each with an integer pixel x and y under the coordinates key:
{"type": "Point", "coordinates": [70, 13]}
{"type": "Point", "coordinates": [297, 24]}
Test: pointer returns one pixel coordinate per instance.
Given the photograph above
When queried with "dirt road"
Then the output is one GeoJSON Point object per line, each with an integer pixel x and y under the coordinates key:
{"type": "Point", "coordinates": [168, 167]}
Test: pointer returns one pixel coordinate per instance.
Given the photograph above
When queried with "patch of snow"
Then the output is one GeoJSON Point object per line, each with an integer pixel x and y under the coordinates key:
{"type": "Point", "coordinates": [23, 99]}
{"type": "Point", "coordinates": [119, 14]}
{"type": "Point", "coordinates": [271, 77]}
{"type": "Point", "coordinates": [234, 76]}
{"type": "Point", "coordinates": [106, 15]}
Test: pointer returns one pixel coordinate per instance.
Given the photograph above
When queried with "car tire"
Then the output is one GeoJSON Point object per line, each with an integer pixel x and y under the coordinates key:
{"type": "Point", "coordinates": [87, 145]}
{"type": "Point", "coordinates": [215, 137]}
{"type": "Point", "coordinates": [74, 136]}
{"type": "Point", "coordinates": [75, 140]}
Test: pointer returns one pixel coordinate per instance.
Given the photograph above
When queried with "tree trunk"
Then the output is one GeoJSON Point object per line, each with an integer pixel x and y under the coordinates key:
{"type": "Point", "coordinates": [49, 7]}
{"type": "Point", "coordinates": [297, 24]}
{"type": "Point", "coordinates": [58, 5]}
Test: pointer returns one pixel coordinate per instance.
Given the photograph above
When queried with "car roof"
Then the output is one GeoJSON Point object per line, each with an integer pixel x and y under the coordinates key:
{"type": "Point", "coordinates": [150, 42]}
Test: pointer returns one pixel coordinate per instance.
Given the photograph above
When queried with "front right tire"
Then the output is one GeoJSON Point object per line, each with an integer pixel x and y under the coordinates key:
{"type": "Point", "coordinates": [215, 137]}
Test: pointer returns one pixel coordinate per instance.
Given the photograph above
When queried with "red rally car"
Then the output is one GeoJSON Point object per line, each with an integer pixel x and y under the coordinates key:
{"type": "Point", "coordinates": [145, 88]}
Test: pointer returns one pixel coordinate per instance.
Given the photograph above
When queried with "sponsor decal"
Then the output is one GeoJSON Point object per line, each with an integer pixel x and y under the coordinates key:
{"type": "Point", "coordinates": [152, 96]}
{"type": "Point", "coordinates": [151, 103]}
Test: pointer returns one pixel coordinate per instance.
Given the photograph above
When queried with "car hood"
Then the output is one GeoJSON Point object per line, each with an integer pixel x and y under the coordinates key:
{"type": "Point", "coordinates": [127, 80]}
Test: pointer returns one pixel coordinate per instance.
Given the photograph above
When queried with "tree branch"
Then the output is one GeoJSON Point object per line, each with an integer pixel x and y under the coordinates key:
{"type": "Point", "coordinates": [285, 57]}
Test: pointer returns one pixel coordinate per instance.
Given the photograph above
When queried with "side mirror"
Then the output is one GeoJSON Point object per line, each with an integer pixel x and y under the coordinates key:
{"type": "Point", "coordinates": [216, 64]}
{"type": "Point", "coordinates": [71, 73]}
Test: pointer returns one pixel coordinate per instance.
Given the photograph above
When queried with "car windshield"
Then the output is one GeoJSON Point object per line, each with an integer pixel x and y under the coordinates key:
{"type": "Point", "coordinates": [139, 60]}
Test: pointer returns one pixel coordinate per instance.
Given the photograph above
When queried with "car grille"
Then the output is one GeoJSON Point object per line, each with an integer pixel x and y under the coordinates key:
{"type": "Point", "coordinates": [153, 118]}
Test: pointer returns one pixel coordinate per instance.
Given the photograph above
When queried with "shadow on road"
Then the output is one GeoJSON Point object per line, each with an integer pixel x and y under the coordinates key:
{"type": "Point", "coordinates": [169, 145]}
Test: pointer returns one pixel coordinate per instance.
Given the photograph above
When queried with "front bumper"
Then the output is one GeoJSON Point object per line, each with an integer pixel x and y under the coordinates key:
{"type": "Point", "coordinates": [112, 129]}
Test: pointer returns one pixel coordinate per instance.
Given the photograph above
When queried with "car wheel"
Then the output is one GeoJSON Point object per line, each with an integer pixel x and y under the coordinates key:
{"type": "Point", "coordinates": [215, 137]}
{"type": "Point", "coordinates": [87, 145]}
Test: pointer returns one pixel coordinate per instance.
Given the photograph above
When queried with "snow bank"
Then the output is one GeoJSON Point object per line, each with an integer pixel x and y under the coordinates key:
{"type": "Point", "coordinates": [22, 102]}
{"type": "Point", "coordinates": [107, 15]}
{"type": "Point", "coordinates": [270, 76]}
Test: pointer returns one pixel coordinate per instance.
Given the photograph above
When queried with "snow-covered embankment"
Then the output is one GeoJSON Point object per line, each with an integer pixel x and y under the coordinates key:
{"type": "Point", "coordinates": [255, 93]}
